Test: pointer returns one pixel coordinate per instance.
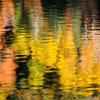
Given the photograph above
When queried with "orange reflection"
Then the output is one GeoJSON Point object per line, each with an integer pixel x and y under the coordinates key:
{"type": "Point", "coordinates": [7, 55]}
{"type": "Point", "coordinates": [6, 15]}
{"type": "Point", "coordinates": [7, 67]}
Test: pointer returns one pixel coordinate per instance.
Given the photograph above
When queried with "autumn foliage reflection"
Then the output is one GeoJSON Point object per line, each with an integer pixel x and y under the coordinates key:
{"type": "Point", "coordinates": [53, 45]}
{"type": "Point", "coordinates": [7, 55]}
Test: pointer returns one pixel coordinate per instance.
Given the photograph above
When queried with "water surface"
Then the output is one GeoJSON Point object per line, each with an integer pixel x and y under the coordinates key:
{"type": "Point", "coordinates": [49, 50]}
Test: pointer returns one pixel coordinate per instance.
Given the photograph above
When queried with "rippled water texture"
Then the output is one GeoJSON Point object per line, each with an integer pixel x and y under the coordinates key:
{"type": "Point", "coordinates": [49, 50]}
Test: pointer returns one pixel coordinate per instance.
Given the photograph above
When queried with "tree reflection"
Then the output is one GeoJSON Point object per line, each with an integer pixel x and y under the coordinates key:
{"type": "Point", "coordinates": [7, 54]}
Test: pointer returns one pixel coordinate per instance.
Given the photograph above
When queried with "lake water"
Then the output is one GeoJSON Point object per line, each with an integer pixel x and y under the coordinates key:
{"type": "Point", "coordinates": [49, 50]}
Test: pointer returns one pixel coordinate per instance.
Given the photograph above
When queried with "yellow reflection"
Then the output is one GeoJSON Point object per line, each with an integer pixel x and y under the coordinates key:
{"type": "Point", "coordinates": [44, 46]}
{"type": "Point", "coordinates": [67, 62]}
{"type": "Point", "coordinates": [21, 36]}
{"type": "Point", "coordinates": [35, 65]}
